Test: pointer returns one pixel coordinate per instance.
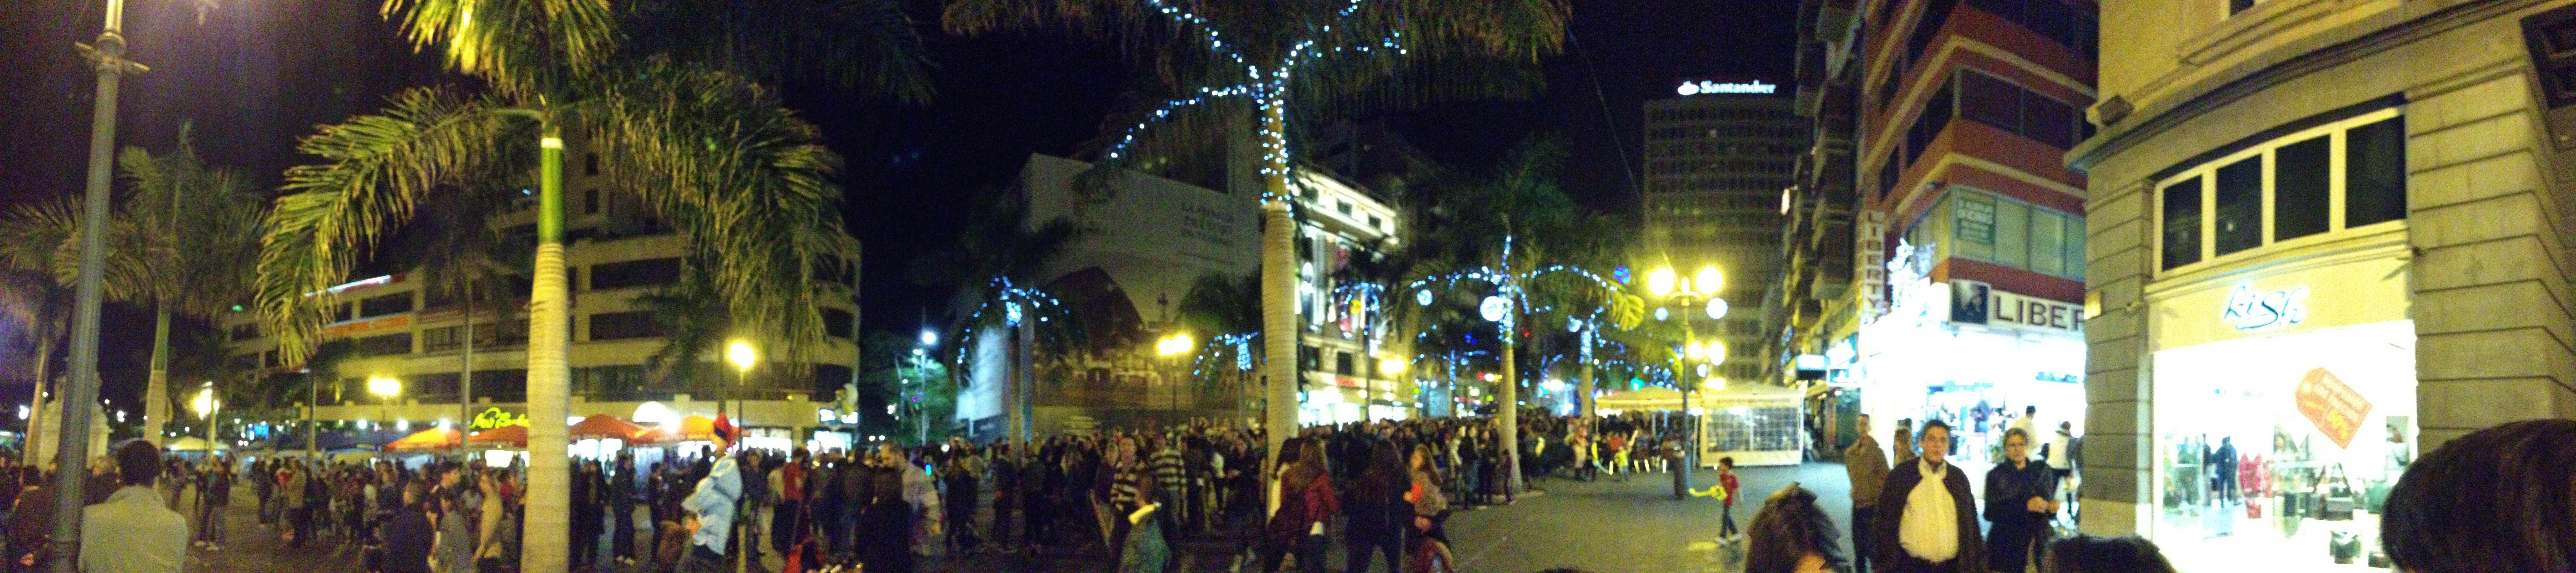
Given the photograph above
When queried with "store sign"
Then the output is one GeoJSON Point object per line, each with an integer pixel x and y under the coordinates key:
{"type": "Point", "coordinates": [369, 326]}
{"type": "Point", "coordinates": [495, 418]}
{"type": "Point", "coordinates": [1709, 87]}
{"type": "Point", "coordinates": [1870, 243]}
{"type": "Point", "coordinates": [2333, 406]}
{"type": "Point", "coordinates": [1973, 302]}
{"type": "Point", "coordinates": [2250, 310]}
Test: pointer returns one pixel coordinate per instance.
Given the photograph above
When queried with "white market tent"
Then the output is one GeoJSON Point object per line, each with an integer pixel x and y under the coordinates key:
{"type": "Point", "coordinates": [1757, 424]}
{"type": "Point", "coordinates": [192, 444]}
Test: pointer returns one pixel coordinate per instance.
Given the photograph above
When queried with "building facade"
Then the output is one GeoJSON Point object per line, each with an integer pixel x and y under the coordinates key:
{"type": "Point", "coordinates": [1819, 290]}
{"type": "Point", "coordinates": [1343, 333]}
{"type": "Point", "coordinates": [2278, 188]}
{"type": "Point", "coordinates": [401, 329]}
{"type": "Point", "coordinates": [1968, 228]}
{"type": "Point", "coordinates": [1718, 160]}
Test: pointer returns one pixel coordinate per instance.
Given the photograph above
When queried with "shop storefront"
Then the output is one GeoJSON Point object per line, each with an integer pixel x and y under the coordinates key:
{"type": "Point", "coordinates": [1969, 354]}
{"type": "Point", "coordinates": [2284, 408]}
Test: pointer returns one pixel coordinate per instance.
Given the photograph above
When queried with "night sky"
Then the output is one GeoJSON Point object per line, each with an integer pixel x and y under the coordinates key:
{"type": "Point", "coordinates": [257, 74]}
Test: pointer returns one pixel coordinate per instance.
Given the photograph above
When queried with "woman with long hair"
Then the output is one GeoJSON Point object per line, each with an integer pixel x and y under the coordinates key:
{"type": "Point", "coordinates": [2021, 496]}
{"type": "Point", "coordinates": [1791, 535]}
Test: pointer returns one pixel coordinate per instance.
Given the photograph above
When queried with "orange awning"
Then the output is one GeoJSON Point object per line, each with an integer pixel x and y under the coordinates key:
{"type": "Point", "coordinates": [690, 429]}
{"type": "Point", "coordinates": [430, 439]}
{"type": "Point", "coordinates": [603, 426]}
{"type": "Point", "coordinates": [512, 436]}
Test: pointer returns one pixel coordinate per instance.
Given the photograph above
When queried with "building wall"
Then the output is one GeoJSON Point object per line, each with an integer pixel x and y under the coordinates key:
{"type": "Point", "coordinates": [1717, 166]}
{"type": "Point", "coordinates": [2484, 232]}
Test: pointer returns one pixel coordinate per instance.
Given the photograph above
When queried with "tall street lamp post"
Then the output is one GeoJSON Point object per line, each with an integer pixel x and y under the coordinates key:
{"type": "Point", "coordinates": [1701, 288]}
{"type": "Point", "coordinates": [108, 58]}
{"type": "Point", "coordinates": [742, 357]}
{"type": "Point", "coordinates": [385, 389]}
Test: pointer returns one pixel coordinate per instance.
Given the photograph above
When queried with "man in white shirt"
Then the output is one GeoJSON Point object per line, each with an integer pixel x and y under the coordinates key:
{"type": "Point", "coordinates": [1926, 520]}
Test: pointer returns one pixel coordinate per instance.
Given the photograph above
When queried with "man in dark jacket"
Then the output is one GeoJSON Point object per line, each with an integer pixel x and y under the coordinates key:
{"type": "Point", "coordinates": [408, 535]}
{"type": "Point", "coordinates": [1927, 518]}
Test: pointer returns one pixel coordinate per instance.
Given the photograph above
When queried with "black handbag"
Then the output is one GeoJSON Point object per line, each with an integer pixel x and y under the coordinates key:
{"type": "Point", "coordinates": [2345, 547]}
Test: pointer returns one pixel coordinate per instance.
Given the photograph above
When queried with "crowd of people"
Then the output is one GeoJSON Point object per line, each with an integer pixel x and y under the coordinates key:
{"type": "Point", "coordinates": [1378, 491]}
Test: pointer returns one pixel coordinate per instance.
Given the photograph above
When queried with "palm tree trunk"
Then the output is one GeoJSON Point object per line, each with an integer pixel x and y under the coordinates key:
{"type": "Point", "coordinates": [549, 339]}
{"type": "Point", "coordinates": [1583, 395]}
{"type": "Point", "coordinates": [1508, 409]}
{"type": "Point", "coordinates": [36, 402]}
{"type": "Point", "coordinates": [156, 387]}
{"type": "Point", "coordinates": [1024, 374]}
{"type": "Point", "coordinates": [1279, 316]}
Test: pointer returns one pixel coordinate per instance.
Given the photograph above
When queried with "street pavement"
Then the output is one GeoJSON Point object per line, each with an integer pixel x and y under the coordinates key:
{"type": "Point", "coordinates": [1606, 526]}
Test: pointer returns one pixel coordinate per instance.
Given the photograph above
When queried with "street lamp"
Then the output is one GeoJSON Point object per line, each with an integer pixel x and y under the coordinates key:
{"type": "Point", "coordinates": [929, 338]}
{"type": "Point", "coordinates": [1170, 347]}
{"type": "Point", "coordinates": [742, 357]}
{"type": "Point", "coordinates": [1660, 282]}
{"type": "Point", "coordinates": [205, 406]}
{"type": "Point", "coordinates": [1708, 280]}
{"type": "Point", "coordinates": [385, 390]}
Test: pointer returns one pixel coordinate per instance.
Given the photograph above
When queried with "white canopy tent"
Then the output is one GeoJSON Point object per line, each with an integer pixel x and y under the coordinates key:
{"type": "Point", "coordinates": [1647, 399]}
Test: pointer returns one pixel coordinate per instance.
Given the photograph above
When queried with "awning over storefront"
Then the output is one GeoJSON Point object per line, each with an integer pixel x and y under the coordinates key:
{"type": "Point", "coordinates": [431, 439]}
{"type": "Point", "coordinates": [1644, 399]}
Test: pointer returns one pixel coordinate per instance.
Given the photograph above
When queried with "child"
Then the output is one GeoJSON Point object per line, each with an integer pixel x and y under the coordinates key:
{"type": "Point", "coordinates": [1726, 479]}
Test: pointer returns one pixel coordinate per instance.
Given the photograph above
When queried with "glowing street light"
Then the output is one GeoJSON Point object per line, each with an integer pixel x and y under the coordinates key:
{"type": "Point", "coordinates": [1390, 366]}
{"type": "Point", "coordinates": [384, 387]}
{"type": "Point", "coordinates": [204, 405]}
{"type": "Point", "coordinates": [1660, 282]}
{"type": "Point", "coordinates": [929, 338]}
{"type": "Point", "coordinates": [741, 355]}
{"type": "Point", "coordinates": [1708, 280]}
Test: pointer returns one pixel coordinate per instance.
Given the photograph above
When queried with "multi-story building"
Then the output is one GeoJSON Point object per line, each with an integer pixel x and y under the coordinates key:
{"type": "Point", "coordinates": [1818, 285]}
{"type": "Point", "coordinates": [614, 254]}
{"type": "Point", "coordinates": [1966, 109]}
{"type": "Point", "coordinates": [1717, 161]}
{"type": "Point", "coordinates": [2276, 188]}
{"type": "Point", "coordinates": [1343, 336]}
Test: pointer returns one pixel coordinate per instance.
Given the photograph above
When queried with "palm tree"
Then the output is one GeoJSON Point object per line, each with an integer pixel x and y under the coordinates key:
{"type": "Point", "coordinates": [1229, 310]}
{"type": "Point", "coordinates": [41, 306]}
{"type": "Point", "coordinates": [203, 260]}
{"type": "Point", "coordinates": [39, 245]}
{"type": "Point", "coordinates": [999, 247]}
{"type": "Point", "coordinates": [698, 140]}
{"type": "Point", "coordinates": [1230, 66]}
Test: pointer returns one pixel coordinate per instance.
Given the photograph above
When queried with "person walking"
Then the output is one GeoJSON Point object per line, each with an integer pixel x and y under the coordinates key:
{"type": "Point", "coordinates": [147, 536]}
{"type": "Point", "coordinates": [1726, 479]}
{"type": "Point", "coordinates": [2020, 497]}
{"type": "Point", "coordinates": [2061, 459]}
{"type": "Point", "coordinates": [214, 495]}
{"type": "Point", "coordinates": [1378, 512]}
{"type": "Point", "coordinates": [711, 506]}
{"type": "Point", "coordinates": [1866, 464]}
{"type": "Point", "coordinates": [1927, 520]}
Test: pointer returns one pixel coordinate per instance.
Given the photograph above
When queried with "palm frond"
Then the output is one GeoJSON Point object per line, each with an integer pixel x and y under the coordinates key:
{"type": "Point", "coordinates": [870, 45]}
{"type": "Point", "coordinates": [375, 170]}
{"type": "Point", "coordinates": [204, 220]}
{"type": "Point", "coordinates": [523, 47]}
{"type": "Point", "coordinates": [746, 180]}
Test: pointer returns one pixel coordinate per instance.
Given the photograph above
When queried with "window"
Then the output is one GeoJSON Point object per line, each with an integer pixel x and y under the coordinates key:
{"type": "Point", "coordinates": [590, 164]}
{"type": "Point", "coordinates": [384, 305]}
{"type": "Point", "coordinates": [2235, 7]}
{"type": "Point", "coordinates": [385, 344]}
{"type": "Point", "coordinates": [1310, 358]}
{"type": "Point", "coordinates": [2374, 166]}
{"type": "Point", "coordinates": [2009, 107]}
{"type": "Point", "coordinates": [1343, 206]}
{"type": "Point", "coordinates": [836, 323]}
{"type": "Point", "coordinates": [2240, 206]}
{"type": "Point", "coordinates": [501, 334]}
{"type": "Point", "coordinates": [647, 272]}
{"type": "Point", "coordinates": [1343, 364]}
{"type": "Point", "coordinates": [441, 339]}
{"type": "Point", "coordinates": [2004, 231]}
{"type": "Point", "coordinates": [343, 312]}
{"type": "Point", "coordinates": [1936, 116]}
{"type": "Point", "coordinates": [1887, 178]}
{"type": "Point", "coordinates": [2181, 223]}
{"type": "Point", "coordinates": [590, 202]}
{"type": "Point", "coordinates": [609, 383]}
{"type": "Point", "coordinates": [2053, 19]}
{"type": "Point", "coordinates": [2225, 204]}
{"type": "Point", "coordinates": [2300, 188]}
{"type": "Point", "coordinates": [624, 325]}
{"type": "Point", "coordinates": [1375, 223]}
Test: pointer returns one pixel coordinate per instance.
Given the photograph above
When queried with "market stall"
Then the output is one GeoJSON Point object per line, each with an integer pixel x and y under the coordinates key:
{"type": "Point", "coordinates": [1757, 424]}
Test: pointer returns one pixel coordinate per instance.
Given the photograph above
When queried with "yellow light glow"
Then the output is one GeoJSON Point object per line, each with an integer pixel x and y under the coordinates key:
{"type": "Point", "coordinates": [1713, 383]}
{"type": "Point", "coordinates": [205, 402]}
{"type": "Point", "coordinates": [741, 355]}
{"type": "Point", "coordinates": [386, 387]}
{"type": "Point", "coordinates": [1708, 280]}
{"type": "Point", "coordinates": [1660, 282]}
{"type": "Point", "coordinates": [1175, 344]}
{"type": "Point", "coordinates": [1390, 366]}
{"type": "Point", "coordinates": [1716, 353]}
